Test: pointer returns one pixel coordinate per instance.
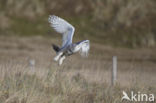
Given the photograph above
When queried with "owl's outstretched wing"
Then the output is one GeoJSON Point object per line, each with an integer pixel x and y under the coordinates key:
{"type": "Point", "coordinates": [63, 27]}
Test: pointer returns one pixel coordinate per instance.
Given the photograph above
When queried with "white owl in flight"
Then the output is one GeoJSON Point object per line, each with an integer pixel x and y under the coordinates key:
{"type": "Point", "coordinates": [68, 48]}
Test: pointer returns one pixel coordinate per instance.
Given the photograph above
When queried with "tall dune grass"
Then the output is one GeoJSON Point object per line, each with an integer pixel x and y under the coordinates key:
{"type": "Point", "coordinates": [20, 84]}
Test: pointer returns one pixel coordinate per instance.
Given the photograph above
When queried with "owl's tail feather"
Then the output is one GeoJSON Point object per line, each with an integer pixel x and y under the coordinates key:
{"type": "Point", "coordinates": [56, 48]}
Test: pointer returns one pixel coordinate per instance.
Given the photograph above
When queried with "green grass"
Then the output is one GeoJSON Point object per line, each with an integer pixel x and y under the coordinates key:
{"type": "Point", "coordinates": [85, 28]}
{"type": "Point", "coordinates": [121, 23]}
{"type": "Point", "coordinates": [25, 27]}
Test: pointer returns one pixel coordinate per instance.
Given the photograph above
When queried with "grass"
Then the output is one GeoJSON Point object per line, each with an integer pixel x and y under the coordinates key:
{"type": "Point", "coordinates": [86, 29]}
{"type": "Point", "coordinates": [129, 24]}
{"type": "Point", "coordinates": [86, 81]}
{"type": "Point", "coordinates": [20, 84]}
{"type": "Point", "coordinates": [26, 27]}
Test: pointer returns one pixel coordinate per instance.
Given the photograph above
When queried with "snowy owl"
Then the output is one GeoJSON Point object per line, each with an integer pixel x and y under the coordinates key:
{"type": "Point", "coordinates": [68, 48]}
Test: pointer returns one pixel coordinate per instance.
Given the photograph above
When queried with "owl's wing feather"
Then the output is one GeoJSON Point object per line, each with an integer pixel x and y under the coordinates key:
{"type": "Point", "coordinates": [83, 47]}
{"type": "Point", "coordinates": [63, 27]}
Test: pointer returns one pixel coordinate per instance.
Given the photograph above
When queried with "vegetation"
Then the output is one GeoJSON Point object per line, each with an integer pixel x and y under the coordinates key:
{"type": "Point", "coordinates": [110, 25]}
{"type": "Point", "coordinates": [87, 80]}
{"type": "Point", "coordinates": [129, 23]}
{"type": "Point", "coordinates": [19, 84]}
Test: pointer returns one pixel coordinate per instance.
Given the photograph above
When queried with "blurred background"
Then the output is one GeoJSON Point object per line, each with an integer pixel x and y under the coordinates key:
{"type": "Point", "coordinates": [122, 28]}
{"type": "Point", "coordinates": [129, 23]}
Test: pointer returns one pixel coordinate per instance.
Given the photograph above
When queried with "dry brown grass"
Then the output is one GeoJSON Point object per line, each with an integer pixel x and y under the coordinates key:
{"type": "Point", "coordinates": [85, 81]}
